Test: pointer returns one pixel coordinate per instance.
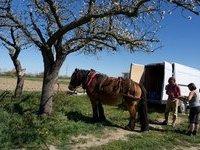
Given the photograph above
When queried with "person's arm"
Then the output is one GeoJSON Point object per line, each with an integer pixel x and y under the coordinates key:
{"type": "Point", "coordinates": [191, 94]}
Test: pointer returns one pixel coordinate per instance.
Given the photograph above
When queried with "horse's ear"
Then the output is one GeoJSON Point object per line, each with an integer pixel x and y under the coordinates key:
{"type": "Point", "coordinates": [76, 69]}
{"type": "Point", "coordinates": [92, 70]}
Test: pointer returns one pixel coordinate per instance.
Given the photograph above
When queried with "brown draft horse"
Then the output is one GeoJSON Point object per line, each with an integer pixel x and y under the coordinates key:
{"type": "Point", "coordinates": [102, 89]}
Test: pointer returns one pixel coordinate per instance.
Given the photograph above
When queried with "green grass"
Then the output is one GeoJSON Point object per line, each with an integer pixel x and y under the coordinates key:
{"type": "Point", "coordinates": [154, 140]}
{"type": "Point", "coordinates": [20, 127]}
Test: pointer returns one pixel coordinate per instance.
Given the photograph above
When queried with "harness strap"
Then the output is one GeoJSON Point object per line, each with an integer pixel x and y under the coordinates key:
{"type": "Point", "coordinates": [132, 97]}
{"type": "Point", "coordinates": [126, 87]}
{"type": "Point", "coordinates": [91, 79]}
{"type": "Point", "coordinates": [102, 82]}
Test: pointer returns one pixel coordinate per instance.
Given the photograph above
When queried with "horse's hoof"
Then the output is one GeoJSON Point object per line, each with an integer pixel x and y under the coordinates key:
{"type": "Point", "coordinates": [103, 119]}
{"type": "Point", "coordinates": [144, 129]}
{"type": "Point", "coordinates": [129, 128]}
{"type": "Point", "coordinates": [95, 120]}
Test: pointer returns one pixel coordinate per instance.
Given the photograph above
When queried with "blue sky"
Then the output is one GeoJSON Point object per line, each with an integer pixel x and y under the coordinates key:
{"type": "Point", "coordinates": [181, 43]}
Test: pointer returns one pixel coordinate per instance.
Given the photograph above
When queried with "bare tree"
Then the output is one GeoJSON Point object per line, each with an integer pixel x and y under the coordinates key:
{"type": "Point", "coordinates": [14, 47]}
{"type": "Point", "coordinates": [59, 27]}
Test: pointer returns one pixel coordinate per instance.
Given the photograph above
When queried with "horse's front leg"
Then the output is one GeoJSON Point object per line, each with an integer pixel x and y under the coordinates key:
{"type": "Point", "coordinates": [132, 108]}
{"type": "Point", "coordinates": [95, 111]}
{"type": "Point", "coordinates": [101, 112]}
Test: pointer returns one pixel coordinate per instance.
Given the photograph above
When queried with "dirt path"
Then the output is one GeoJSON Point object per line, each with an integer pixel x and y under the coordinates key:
{"type": "Point", "coordinates": [85, 142]}
{"type": "Point", "coordinates": [29, 85]}
{"type": "Point", "coordinates": [88, 141]}
{"type": "Point", "coordinates": [197, 147]}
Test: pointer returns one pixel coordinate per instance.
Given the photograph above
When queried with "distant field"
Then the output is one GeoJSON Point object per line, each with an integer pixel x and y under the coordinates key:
{"type": "Point", "coordinates": [31, 83]}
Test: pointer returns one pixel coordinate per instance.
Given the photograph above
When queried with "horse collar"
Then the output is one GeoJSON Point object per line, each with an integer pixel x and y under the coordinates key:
{"type": "Point", "coordinates": [91, 78]}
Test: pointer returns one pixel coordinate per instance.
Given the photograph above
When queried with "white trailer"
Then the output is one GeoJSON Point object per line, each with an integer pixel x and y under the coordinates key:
{"type": "Point", "coordinates": [155, 77]}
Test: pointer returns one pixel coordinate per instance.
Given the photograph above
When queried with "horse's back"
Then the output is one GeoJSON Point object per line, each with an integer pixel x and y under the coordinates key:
{"type": "Point", "coordinates": [112, 91]}
{"type": "Point", "coordinates": [109, 86]}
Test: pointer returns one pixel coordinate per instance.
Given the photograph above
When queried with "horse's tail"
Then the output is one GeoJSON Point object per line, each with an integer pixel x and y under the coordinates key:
{"type": "Point", "coordinates": [142, 111]}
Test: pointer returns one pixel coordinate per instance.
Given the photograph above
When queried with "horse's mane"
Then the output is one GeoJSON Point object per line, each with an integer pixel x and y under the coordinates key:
{"type": "Point", "coordinates": [86, 72]}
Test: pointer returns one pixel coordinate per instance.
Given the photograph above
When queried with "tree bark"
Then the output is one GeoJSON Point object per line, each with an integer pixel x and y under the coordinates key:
{"type": "Point", "coordinates": [20, 77]}
{"type": "Point", "coordinates": [49, 81]}
{"type": "Point", "coordinates": [51, 70]}
{"type": "Point", "coordinates": [19, 86]}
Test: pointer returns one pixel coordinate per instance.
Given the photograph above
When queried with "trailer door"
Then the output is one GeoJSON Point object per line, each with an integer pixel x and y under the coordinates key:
{"type": "Point", "coordinates": [185, 75]}
{"type": "Point", "coordinates": [168, 72]}
{"type": "Point", "coordinates": [137, 72]}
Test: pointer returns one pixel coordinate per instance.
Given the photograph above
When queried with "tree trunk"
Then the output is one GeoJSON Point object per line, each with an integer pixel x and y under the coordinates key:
{"type": "Point", "coordinates": [20, 77]}
{"type": "Point", "coordinates": [19, 86]}
{"type": "Point", "coordinates": [51, 70]}
{"type": "Point", "coordinates": [49, 81]}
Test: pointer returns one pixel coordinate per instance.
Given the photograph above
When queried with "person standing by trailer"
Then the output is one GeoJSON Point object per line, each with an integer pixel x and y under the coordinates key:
{"type": "Point", "coordinates": [173, 92]}
{"type": "Point", "coordinates": [194, 103]}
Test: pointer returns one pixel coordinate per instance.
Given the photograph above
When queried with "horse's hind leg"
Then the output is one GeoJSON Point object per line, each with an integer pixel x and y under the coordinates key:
{"type": "Point", "coordinates": [101, 112]}
{"type": "Point", "coordinates": [132, 108]}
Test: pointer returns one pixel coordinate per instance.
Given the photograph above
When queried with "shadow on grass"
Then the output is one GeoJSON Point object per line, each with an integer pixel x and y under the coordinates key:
{"type": "Point", "coordinates": [152, 108]}
{"type": "Point", "coordinates": [155, 122]}
{"type": "Point", "coordinates": [180, 131]}
{"type": "Point", "coordinates": [5, 94]}
{"type": "Point", "coordinates": [159, 123]}
{"type": "Point", "coordinates": [19, 105]}
{"type": "Point", "coordinates": [156, 129]}
{"type": "Point", "coordinates": [77, 116]}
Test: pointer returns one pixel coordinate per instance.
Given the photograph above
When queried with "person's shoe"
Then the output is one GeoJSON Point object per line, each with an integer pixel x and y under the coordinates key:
{"type": "Point", "coordinates": [164, 123]}
{"type": "Point", "coordinates": [194, 132]}
{"type": "Point", "coordinates": [189, 133]}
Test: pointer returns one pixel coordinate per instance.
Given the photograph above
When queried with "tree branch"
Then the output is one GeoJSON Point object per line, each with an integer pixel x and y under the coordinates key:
{"type": "Point", "coordinates": [6, 41]}
{"type": "Point", "coordinates": [76, 23]}
{"type": "Point", "coordinates": [35, 27]}
{"type": "Point", "coordinates": [23, 29]}
{"type": "Point", "coordinates": [90, 5]}
{"type": "Point", "coordinates": [53, 10]}
{"type": "Point", "coordinates": [183, 5]}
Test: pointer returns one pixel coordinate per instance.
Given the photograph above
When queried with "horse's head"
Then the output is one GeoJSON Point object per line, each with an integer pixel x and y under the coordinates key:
{"type": "Point", "coordinates": [79, 77]}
